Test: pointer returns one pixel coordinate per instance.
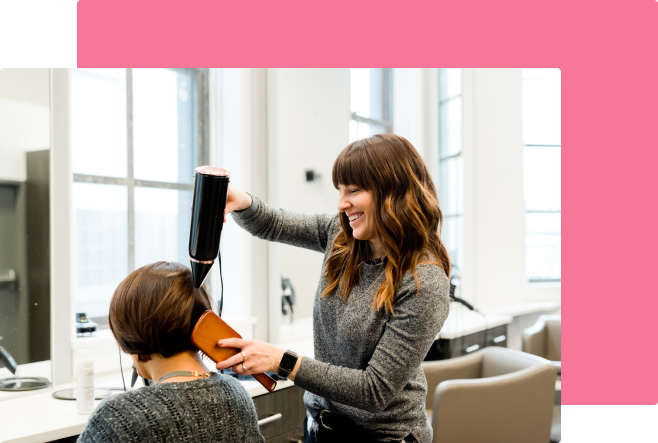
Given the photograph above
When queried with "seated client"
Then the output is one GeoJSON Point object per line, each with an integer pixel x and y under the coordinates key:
{"type": "Point", "coordinates": [152, 314]}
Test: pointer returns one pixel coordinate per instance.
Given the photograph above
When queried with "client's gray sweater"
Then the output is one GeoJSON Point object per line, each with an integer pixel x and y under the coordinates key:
{"type": "Point", "coordinates": [213, 409]}
{"type": "Point", "coordinates": [367, 363]}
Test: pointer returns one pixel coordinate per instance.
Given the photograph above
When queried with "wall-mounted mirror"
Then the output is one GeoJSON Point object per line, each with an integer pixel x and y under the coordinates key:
{"type": "Point", "coordinates": [25, 221]}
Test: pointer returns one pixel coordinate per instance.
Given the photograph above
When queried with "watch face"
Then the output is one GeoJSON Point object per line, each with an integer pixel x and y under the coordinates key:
{"type": "Point", "coordinates": [288, 361]}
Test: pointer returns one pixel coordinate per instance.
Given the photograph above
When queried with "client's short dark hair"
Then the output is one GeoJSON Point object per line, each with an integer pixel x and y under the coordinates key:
{"type": "Point", "coordinates": [155, 308]}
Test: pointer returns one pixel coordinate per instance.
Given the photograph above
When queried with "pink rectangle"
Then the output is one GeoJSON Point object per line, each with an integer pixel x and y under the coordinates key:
{"type": "Point", "coordinates": [608, 56]}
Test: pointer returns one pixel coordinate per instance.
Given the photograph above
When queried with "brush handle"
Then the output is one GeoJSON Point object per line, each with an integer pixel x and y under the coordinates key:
{"type": "Point", "coordinates": [267, 381]}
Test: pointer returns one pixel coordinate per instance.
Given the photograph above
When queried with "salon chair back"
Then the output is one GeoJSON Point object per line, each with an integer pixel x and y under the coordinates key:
{"type": "Point", "coordinates": [544, 339]}
{"type": "Point", "coordinates": [495, 395]}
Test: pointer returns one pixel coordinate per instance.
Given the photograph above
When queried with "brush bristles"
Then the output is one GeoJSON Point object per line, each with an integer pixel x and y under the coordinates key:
{"type": "Point", "coordinates": [206, 357]}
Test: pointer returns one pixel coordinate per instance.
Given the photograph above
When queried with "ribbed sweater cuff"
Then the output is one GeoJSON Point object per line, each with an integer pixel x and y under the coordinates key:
{"type": "Point", "coordinates": [250, 212]}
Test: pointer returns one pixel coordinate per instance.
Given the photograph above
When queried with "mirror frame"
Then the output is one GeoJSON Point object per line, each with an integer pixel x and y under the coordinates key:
{"type": "Point", "coordinates": [61, 275]}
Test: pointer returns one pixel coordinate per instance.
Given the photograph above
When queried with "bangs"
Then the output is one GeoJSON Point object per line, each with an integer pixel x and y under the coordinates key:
{"type": "Point", "coordinates": [352, 167]}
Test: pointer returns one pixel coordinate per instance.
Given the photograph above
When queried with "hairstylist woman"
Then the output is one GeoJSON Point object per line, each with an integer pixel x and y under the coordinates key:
{"type": "Point", "coordinates": [381, 300]}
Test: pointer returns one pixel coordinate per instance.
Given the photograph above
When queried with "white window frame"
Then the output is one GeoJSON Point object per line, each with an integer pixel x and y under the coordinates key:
{"type": "Point", "coordinates": [64, 342]}
{"type": "Point", "coordinates": [130, 182]}
{"type": "Point", "coordinates": [61, 238]}
{"type": "Point", "coordinates": [459, 216]}
{"type": "Point", "coordinates": [540, 281]}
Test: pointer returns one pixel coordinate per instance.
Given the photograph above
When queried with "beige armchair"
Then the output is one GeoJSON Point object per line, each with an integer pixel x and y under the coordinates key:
{"type": "Point", "coordinates": [544, 339]}
{"type": "Point", "coordinates": [495, 395]}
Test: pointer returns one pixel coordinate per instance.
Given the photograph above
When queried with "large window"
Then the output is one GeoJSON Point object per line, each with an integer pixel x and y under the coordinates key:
{"type": "Point", "coordinates": [451, 163]}
{"type": "Point", "coordinates": [137, 135]}
{"type": "Point", "coordinates": [370, 102]}
{"type": "Point", "coordinates": [542, 173]}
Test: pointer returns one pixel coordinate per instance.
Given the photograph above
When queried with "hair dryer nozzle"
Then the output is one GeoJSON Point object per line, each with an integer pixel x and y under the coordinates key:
{"type": "Point", "coordinates": [200, 270]}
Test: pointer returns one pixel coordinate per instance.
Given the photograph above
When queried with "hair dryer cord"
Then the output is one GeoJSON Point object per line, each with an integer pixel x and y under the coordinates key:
{"type": "Point", "coordinates": [221, 279]}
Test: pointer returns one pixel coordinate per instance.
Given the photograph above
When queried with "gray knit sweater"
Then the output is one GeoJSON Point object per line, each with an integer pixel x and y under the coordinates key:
{"type": "Point", "coordinates": [367, 364]}
{"type": "Point", "coordinates": [213, 409]}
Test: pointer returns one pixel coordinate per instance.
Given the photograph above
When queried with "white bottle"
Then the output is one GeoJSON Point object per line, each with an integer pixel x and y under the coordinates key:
{"type": "Point", "coordinates": [85, 385]}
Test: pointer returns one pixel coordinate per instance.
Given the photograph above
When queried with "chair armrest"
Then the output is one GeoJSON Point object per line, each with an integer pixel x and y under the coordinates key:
{"type": "Point", "coordinates": [466, 367]}
{"type": "Point", "coordinates": [558, 366]}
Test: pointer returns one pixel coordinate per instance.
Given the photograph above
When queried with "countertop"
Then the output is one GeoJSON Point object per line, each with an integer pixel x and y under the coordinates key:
{"type": "Point", "coordinates": [35, 416]}
{"type": "Point", "coordinates": [461, 321]}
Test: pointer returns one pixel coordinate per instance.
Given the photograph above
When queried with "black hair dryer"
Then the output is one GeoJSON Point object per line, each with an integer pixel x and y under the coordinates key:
{"type": "Point", "coordinates": [208, 204]}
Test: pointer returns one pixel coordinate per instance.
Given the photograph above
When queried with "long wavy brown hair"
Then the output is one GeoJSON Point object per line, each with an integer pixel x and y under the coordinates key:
{"type": "Point", "coordinates": [407, 218]}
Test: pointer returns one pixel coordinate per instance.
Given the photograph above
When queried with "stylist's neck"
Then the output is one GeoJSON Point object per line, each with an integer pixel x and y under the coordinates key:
{"type": "Point", "coordinates": [185, 361]}
{"type": "Point", "coordinates": [376, 250]}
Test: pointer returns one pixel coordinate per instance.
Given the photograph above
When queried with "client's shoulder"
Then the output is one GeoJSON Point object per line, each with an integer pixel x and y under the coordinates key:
{"type": "Point", "coordinates": [131, 416]}
{"type": "Point", "coordinates": [151, 395]}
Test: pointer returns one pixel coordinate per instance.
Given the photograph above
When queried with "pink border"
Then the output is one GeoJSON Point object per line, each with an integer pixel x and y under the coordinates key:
{"type": "Point", "coordinates": [608, 56]}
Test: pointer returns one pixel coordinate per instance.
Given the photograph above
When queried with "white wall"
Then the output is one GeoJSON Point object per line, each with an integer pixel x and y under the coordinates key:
{"type": "Point", "coordinates": [239, 144]}
{"type": "Point", "coordinates": [415, 111]}
{"type": "Point", "coordinates": [227, 139]}
{"type": "Point", "coordinates": [494, 208]}
{"type": "Point", "coordinates": [309, 124]}
{"type": "Point", "coordinates": [24, 118]}
{"type": "Point", "coordinates": [26, 84]}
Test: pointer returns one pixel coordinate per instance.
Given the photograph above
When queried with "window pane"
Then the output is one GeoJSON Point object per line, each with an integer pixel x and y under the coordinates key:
{"type": "Point", "coordinates": [543, 257]}
{"type": "Point", "coordinates": [100, 245]}
{"type": "Point", "coordinates": [377, 129]}
{"type": "Point", "coordinates": [353, 136]}
{"type": "Point", "coordinates": [360, 91]}
{"type": "Point", "coordinates": [450, 129]}
{"type": "Point", "coordinates": [451, 181]}
{"type": "Point", "coordinates": [542, 73]}
{"type": "Point", "coordinates": [162, 225]}
{"type": "Point", "coordinates": [543, 246]}
{"type": "Point", "coordinates": [376, 94]}
{"type": "Point", "coordinates": [98, 122]}
{"type": "Point", "coordinates": [363, 130]}
{"type": "Point", "coordinates": [449, 235]}
{"type": "Point", "coordinates": [541, 112]}
{"type": "Point", "coordinates": [452, 237]}
{"type": "Point", "coordinates": [543, 223]}
{"type": "Point", "coordinates": [542, 175]}
{"type": "Point", "coordinates": [164, 128]}
{"type": "Point", "coordinates": [450, 82]}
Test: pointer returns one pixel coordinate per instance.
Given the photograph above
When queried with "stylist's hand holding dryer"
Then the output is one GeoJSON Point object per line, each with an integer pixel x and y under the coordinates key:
{"type": "Point", "coordinates": [381, 300]}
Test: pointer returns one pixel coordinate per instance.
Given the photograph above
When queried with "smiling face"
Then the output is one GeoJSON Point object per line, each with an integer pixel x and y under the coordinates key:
{"type": "Point", "coordinates": [359, 205]}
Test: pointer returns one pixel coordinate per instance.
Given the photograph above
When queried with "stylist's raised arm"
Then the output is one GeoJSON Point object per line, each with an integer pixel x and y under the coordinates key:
{"type": "Point", "coordinates": [382, 295]}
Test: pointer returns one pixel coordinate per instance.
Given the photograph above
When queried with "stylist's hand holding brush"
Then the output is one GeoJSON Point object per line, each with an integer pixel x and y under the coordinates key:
{"type": "Point", "coordinates": [256, 357]}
